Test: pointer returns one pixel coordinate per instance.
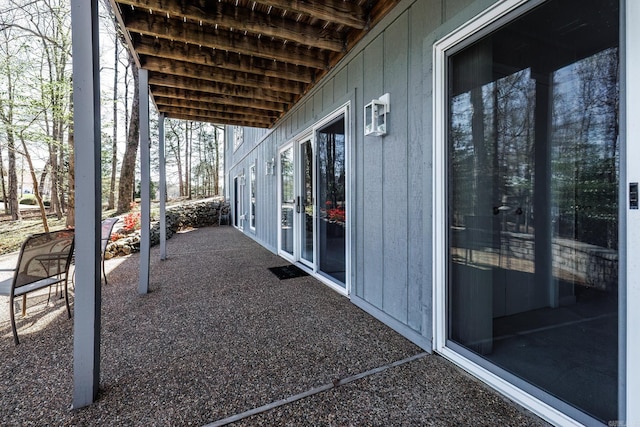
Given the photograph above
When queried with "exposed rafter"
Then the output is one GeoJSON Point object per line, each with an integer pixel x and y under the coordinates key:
{"type": "Point", "coordinates": [240, 62]}
{"type": "Point", "coordinates": [186, 32]}
{"type": "Point", "coordinates": [213, 107]}
{"type": "Point", "coordinates": [160, 79]}
{"type": "Point", "coordinates": [229, 16]}
{"type": "Point", "coordinates": [176, 51]}
{"type": "Point", "coordinates": [336, 11]}
{"type": "Point", "coordinates": [188, 96]}
{"type": "Point", "coordinates": [215, 74]}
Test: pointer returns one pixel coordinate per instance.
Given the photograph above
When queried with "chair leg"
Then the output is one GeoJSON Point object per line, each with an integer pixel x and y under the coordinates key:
{"type": "Point", "coordinates": [104, 272]}
{"type": "Point", "coordinates": [24, 305]}
{"type": "Point", "coordinates": [13, 322]}
{"type": "Point", "coordinates": [66, 297]}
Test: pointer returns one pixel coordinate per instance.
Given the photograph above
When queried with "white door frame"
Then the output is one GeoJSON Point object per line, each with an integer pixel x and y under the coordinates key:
{"type": "Point", "coordinates": [238, 195]}
{"type": "Point", "coordinates": [282, 253]}
{"type": "Point", "coordinates": [253, 196]}
{"type": "Point", "coordinates": [629, 220]}
{"type": "Point", "coordinates": [309, 134]}
{"type": "Point", "coordinates": [299, 190]}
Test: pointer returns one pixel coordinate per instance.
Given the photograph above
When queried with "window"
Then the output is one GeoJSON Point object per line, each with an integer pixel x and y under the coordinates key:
{"type": "Point", "coordinates": [532, 203]}
{"type": "Point", "coordinates": [252, 195]}
{"type": "Point", "coordinates": [238, 137]}
{"type": "Point", "coordinates": [331, 146]}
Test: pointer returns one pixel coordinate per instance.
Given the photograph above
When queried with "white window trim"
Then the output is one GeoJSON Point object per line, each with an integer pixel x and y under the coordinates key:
{"type": "Point", "coordinates": [237, 136]}
{"type": "Point", "coordinates": [466, 34]}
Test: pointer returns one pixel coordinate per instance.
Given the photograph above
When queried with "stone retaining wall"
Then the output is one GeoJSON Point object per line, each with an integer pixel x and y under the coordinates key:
{"type": "Point", "coordinates": [187, 215]}
{"type": "Point", "coordinates": [590, 265]}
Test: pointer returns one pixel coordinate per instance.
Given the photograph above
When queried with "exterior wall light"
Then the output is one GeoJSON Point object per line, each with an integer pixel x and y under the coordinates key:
{"type": "Point", "coordinates": [375, 116]}
{"type": "Point", "coordinates": [268, 166]}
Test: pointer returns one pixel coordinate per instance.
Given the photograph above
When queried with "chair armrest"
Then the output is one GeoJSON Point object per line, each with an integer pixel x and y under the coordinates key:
{"type": "Point", "coordinates": [8, 269]}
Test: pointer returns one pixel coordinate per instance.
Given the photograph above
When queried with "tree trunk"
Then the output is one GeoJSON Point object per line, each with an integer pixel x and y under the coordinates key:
{"type": "Point", "coordinates": [114, 147]}
{"type": "Point", "coordinates": [187, 158]}
{"type": "Point", "coordinates": [61, 186]}
{"type": "Point", "coordinates": [128, 171]}
{"type": "Point", "coordinates": [4, 187]}
{"type": "Point", "coordinates": [36, 190]}
{"type": "Point", "coordinates": [14, 208]}
{"type": "Point", "coordinates": [45, 172]}
{"type": "Point", "coordinates": [216, 168]}
{"type": "Point", "coordinates": [71, 204]}
{"type": "Point", "coordinates": [53, 159]}
{"type": "Point", "coordinates": [7, 119]}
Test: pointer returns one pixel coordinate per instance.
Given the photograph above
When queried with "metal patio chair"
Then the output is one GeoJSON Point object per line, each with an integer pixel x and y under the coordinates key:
{"type": "Point", "coordinates": [43, 261]}
{"type": "Point", "coordinates": [105, 235]}
{"type": "Point", "coordinates": [107, 228]}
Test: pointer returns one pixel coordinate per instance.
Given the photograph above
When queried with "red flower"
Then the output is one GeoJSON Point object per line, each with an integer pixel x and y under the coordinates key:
{"type": "Point", "coordinates": [337, 214]}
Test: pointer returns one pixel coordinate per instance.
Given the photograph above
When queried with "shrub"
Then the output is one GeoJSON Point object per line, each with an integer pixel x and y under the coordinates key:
{"type": "Point", "coordinates": [28, 200]}
{"type": "Point", "coordinates": [131, 221]}
{"type": "Point", "coordinates": [116, 236]}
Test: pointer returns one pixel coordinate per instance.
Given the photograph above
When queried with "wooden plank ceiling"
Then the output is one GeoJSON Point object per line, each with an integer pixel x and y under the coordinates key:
{"type": "Point", "coordinates": [241, 62]}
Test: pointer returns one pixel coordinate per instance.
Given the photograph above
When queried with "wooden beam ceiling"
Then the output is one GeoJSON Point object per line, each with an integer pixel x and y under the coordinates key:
{"type": "Point", "coordinates": [240, 62]}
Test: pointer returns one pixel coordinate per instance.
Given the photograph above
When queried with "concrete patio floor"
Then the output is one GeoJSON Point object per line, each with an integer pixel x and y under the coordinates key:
{"type": "Point", "coordinates": [219, 335]}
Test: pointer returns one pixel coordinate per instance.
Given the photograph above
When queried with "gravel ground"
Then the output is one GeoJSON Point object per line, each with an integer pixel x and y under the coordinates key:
{"type": "Point", "coordinates": [219, 335]}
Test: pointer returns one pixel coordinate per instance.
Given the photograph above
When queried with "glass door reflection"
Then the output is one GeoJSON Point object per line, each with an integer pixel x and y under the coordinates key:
{"type": "Point", "coordinates": [306, 207]}
{"type": "Point", "coordinates": [533, 203]}
{"type": "Point", "coordinates": [287, 200]}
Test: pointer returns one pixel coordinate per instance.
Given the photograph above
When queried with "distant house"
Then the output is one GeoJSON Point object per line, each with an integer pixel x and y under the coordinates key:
{"type": "Point", "coordinates": [463, 170]}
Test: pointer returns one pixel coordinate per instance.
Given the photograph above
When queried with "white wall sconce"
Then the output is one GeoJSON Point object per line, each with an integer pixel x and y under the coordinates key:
{"type": "Point", "coordinates": [242, 180]}
{"type": "Point", "coordinates": [375, 116]}
{"type": "Point", "coordinates": [268, 166]}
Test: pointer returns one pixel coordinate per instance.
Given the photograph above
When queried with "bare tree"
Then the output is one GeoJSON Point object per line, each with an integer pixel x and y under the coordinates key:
{"type": "Point", "coordinates": [114, 148]}
{"type": "Point", "coordinates": [71, 203]}
{"type": "Point", "coordinates": [127, 173]}
{"type": "Point", "coordinates": [173, 143]}
{"type": "Point", "coordinates": [4, 188]}
{"type": "Point", "coordinates": [49, 22]}
{"type": "Point", "coordinates": [7, 107]}
{"type": "Point", "coordinates": [40, 49]}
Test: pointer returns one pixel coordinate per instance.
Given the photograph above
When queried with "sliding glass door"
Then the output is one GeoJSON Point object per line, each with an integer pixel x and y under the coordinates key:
{"type": "Point", "coordinates": [332, 196]}
{"type": "Point", "coordinates": [533, 178]}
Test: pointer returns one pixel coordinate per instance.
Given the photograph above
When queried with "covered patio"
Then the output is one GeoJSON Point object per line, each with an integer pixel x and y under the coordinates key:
{"type": "Point", "coordinates": [218, 335]}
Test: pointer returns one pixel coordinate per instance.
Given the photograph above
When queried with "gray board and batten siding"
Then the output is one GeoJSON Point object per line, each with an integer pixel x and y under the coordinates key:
{"type": "Point", "coordinates": [390, 177]}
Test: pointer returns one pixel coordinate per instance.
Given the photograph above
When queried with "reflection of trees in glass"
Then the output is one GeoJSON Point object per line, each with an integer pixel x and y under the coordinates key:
{"type": "Point", "coordinates": [492, 151]}
{"type": "Point", "coordinates": [286, 172]}
{"type": "Point", "coordinates": [252, 187]}
{"type": "Point", "coordinates": [307, 159]}
{"type": "Point", "coordinates": [585, 150]}
{"type": "Point", "coordinates": [331, 162]}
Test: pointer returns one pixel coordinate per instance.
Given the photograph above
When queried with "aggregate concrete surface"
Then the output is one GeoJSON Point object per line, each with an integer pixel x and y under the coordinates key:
{"type": "Point", "coordinates": [219, 335]}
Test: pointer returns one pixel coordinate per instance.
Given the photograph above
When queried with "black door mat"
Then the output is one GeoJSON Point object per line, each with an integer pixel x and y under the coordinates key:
{"type": "Point", "coordinates": [288, 272]}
